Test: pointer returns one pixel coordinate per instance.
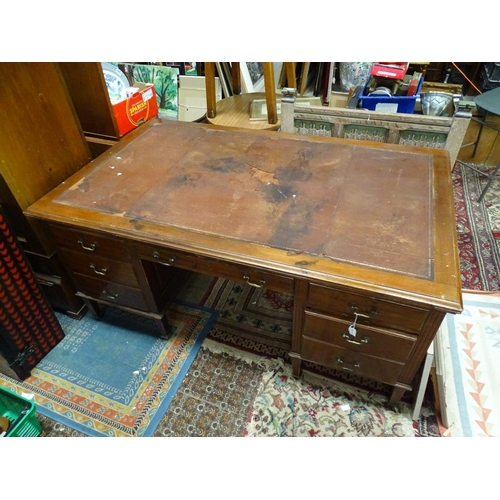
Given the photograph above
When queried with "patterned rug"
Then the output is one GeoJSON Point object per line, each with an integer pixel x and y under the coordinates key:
{"type": "Point", "coordinates": [229, 392]}
{"type": "Point", "coordinates": [478, 228]}
{"type": "Point", "coordinates": [471, 367]}
{"type": "Point", "coordinates": [253, 330]}
{"type": "Point", "coordinates": [113, 377]}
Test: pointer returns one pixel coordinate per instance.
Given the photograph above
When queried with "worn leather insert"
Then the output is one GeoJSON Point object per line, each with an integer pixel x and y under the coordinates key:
{"type": "Point", "coordinates": [349, 203]}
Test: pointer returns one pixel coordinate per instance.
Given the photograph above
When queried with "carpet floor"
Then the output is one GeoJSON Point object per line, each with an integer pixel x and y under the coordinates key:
{"type": "Point", "coordinates": [239, 383]}
{"type": "Point", "coordinates": [478, 229]}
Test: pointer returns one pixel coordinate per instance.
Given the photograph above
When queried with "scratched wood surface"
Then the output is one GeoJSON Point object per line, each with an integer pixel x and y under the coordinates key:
{"type": "Point", "coordinates": [348, 203]}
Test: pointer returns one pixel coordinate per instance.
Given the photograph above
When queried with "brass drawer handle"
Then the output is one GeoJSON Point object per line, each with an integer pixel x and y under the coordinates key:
{"type": "Point", "coordinates": [356, 364]}
{"type": "Point", "coordinates": [170, 261]}
{"type": "Point", "coordinates": [112, 296]}
{"type": "Point", "coordinates": [90, 248]}
{"type": "Point", "coordinates": [354, 307]}
{"type": "Point", "coordinates": [102, 272]}
{"type": "Point", "coordinates": [364, 340]}
{"type": "Point", "coordinates": [247, 279]}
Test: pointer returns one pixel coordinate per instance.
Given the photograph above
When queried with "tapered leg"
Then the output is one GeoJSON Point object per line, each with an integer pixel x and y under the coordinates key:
{"type": "Point", "coordinates": [296, 364]}
{"type": "Point", "coordinates": [163, 327]}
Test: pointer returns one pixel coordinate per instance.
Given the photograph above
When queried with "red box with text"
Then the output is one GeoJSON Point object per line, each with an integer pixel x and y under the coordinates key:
{"type": "Point", "coordinates": [136, 109]}
{"type": "Point", "coordinates": [395, 70]}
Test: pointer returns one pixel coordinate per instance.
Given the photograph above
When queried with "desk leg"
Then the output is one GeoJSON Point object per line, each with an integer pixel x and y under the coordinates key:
{"type": "Point", "coordinates": [296, 364]}
{"type": "Point", "coordinates": [397, 393]}
{"type": "Point", "coordinates": [163, 327]}
{"type": "Point", "coordinates": [94, 307]}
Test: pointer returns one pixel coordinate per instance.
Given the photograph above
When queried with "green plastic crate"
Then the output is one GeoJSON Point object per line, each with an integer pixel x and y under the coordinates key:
{"type": "Point", "coordinates": [12, 407]}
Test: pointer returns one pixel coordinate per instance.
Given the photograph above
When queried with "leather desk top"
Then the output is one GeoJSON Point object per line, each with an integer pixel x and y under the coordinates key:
{"type": "Point", "coordinates": [326, 200]}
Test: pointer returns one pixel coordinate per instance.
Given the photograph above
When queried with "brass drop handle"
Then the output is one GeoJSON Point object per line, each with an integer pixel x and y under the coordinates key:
{"type": "Point", "coordinates": [373, 312]}
{"type": "Point", "coordinates": [247, 279]}
{"type": "Point", "coordinates": [170, 261]}
{"type": "Point", "coordinates": [102, 272]}
{"type": "Point", "coordinates": [90, 248]}
{"type": "Point", "coordinates": [364, 340]}
{"type": "Point", "coordinates": [112, 296]}
{"type": "Point", "coordinates": [356, 364]}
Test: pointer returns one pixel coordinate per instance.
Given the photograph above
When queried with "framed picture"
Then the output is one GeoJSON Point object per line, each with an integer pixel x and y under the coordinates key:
{"type": "Point", "coordinates": [165, 80]}
{"type": "Point", "coordinates": [252, 76]}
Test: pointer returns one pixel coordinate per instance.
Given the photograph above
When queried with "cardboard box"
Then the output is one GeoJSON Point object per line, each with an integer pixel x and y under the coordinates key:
{"type": "Point", "coordinates": [395, 70]}
{"type": "Point", "coordinates": [137, 108]}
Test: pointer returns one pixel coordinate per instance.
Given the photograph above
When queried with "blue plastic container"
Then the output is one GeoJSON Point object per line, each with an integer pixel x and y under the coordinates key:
{"type": "Point", "coordinates": [405, 104]}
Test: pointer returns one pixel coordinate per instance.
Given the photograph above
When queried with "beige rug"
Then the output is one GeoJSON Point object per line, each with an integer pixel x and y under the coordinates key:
{"type": "Point", "coordinates": [469, 348]}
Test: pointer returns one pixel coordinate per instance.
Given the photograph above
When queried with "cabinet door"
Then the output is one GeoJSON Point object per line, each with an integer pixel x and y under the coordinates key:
{"type": "Point", "coordinates": [29, 328]}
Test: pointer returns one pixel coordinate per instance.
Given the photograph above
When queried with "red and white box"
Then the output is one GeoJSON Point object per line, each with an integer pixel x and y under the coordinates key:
{"type": "Point", "coordinates": [396, 70]}
{"type": "Point", "coordinates": [137, 108]}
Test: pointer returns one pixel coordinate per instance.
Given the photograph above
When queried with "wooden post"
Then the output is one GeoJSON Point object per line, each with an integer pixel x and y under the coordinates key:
{"type": "Point", "coordinates": [210, 89]}
{"type": "Point", "coordinates": [272, 111]}
{"type": "Point", "coordinates": [290, 74]}
{"type": "Point", "coordinates": [236, 76]}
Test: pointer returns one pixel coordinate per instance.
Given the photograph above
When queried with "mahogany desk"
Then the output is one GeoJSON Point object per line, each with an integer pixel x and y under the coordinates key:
{"type": "Point", "coordinates": [359, 233]}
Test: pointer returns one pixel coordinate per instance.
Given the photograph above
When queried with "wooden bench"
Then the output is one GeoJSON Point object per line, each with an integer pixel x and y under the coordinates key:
{"type": "Point", "coordinates": [394, 128]}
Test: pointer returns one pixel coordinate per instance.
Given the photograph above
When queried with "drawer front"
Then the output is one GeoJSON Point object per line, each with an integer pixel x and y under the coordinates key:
{"type": "Point", "coordinates": [215, 267]}
{"type": "Point", "coordinates": [113, 293]}
{"type": "Point", "coordinates": [371, 341]}
{"type": "Point", "coordinates": [341, 359]}
{"type": "Point", "coordinates": [95, 266]}
{"type": "Point", "coordinates": [371, 311]}
{"type": "Point", "coordinates": [90, 242]}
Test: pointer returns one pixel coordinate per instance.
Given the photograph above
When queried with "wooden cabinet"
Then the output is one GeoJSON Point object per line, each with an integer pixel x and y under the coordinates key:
{"type": "Point", "coordinates": [41, 145]}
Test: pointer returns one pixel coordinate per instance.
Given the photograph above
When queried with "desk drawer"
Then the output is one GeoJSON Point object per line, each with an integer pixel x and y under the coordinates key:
{"type": "Point", "coordinates": [215, 267]}
{"type": "Point", "coordinates": [90, 242]}
{"type": "Point", "coordinates": [95, 266]}
{"type": "Point", "coordinates": [113, 293]}
{"type": "Point", "coordinates": [338, 358]}
{"type": "Point", "coordinates": [371, 341]}
{"type": "Point", "coordinates": [371, 311]}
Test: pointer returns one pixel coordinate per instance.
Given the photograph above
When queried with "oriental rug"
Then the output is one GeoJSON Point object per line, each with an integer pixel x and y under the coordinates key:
{"type": "Point", "coordinates": [230, 392]}
{"type": "Point", "coordinates": [470, 346]}
{"type": "Point", "coordinates": [113, 376]}
{"type": "Point", "coordinates": [250, 341]}
{"type": "Point", "coordinates": [478, 228]}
